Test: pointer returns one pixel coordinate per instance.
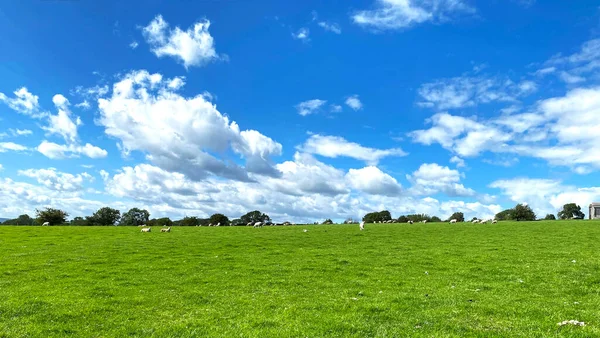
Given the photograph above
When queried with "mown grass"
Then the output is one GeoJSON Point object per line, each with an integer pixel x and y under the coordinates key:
{"type": "Point", "coordinates": [502, 280]}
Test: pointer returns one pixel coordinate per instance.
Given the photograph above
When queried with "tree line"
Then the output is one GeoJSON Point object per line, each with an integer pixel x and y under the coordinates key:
{"type": "Point", "coordinates": [133, 217]}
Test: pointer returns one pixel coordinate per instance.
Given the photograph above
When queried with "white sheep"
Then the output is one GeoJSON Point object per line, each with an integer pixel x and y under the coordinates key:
{"type": "Point", "coordinates": [146, 229]}
{"type": "Point", "coordinates": [45, 223]}
{"type": "Point", "coordinates": [258, 225]}
{"type": "Point", "coordinates": [362, 225]}
{"type": "Point", "coordinates": [165, 229]}
{"type": "Point", "coordinates": [495, 221]}
{"type": "Point", "coordinates": [452, 221]}
{"type": "Point", "coordinates": [410, 222]}
{"type": "Point", "coordinates": [424, 221]}
{"type": "Point", "coordinates": [219, 224]}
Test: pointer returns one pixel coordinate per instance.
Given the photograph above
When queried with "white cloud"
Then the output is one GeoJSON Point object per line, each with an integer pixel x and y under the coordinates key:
{"type": "Point", "coordinates": [302, 34]}
{"type": "Point", "coordinates": [431, 178]}
{"type": "Point", "coordinates": [58, 151]}
{"type": "Point", "coordinates": [334, 146]}
{"type": "Point", "coordinates": [194, 129]}
{"type": "Point", "coordinates": [571, 79]}
{"type": "Point", "coordinates": [10, 146]}
{"type": "Point", "coordinates": [24, 102]}
{"type": "Point", "coordinates": [104, 174]}
{"type": "Point", "coordinates": [576, 67]}
{"type": "Point", "coordinates": [63, 123]}
{"type": "Point", "coordinates": [133, 44]}
{"type": "Point", "coordinates": [194, 46]}
{"type": "Point", "coordinates": [459, 161]}
{"type": "Point", "coordinates": [1, 167]}
{"type": "Point", "coordinates": [353, 102]}
{"type": "Point", "coordinates": [17, 132]}
{"type": "Point", "coordinates": [469, 91]}
{"type": "Point", "coordinates": [336, 108]}
{"type": "Point", "coordinates": [91, 93]}
{"type": "Point", "coordinates": [56, 180]}
{"type": "Point", "coordinates": [84, 105]}
{"type": "Point", "coordinates": [545, 71]}
{"type": "Point", "coordinates": [310, 106]}
{"type": "Point", "coordinates": [398, 14]}
{"type": "Point", "coordinates": [373, 181]}
{"type": "Point", "coordinates": [331, 27]}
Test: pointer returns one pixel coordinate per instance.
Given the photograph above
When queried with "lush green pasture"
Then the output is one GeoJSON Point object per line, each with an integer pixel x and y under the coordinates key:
{"type": "Point", "coordinates": [391, 280]}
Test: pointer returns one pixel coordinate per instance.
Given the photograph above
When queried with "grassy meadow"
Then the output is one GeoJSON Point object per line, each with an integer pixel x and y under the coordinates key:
{"type": "Point", "coordinates": [391, 280]}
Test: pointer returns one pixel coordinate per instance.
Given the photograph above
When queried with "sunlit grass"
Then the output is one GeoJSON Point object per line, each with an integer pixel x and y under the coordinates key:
{"type": "Point", "coordinates": [391, 280]}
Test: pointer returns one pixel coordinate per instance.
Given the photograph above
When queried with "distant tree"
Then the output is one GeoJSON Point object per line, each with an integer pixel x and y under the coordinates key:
{"type": "Point", "coordinates": [104, 216]}
{"type": "Point", "coordinates": [380, 216]}
{"type": "Point", "coordinates": [523, 213]}
{"type": "Point", "coordinates": [163, 221]}
{"type": "Point", "coordinates": [570, 210]}
{"type": "Point", "coordinates": [135, 217]}
{"type": "Point", "coordinates": [550, 217]}
{"type": "Point", "coordinates": [219, 218]}
{"type": "Point", "coordinates": [238, 222]}
{"type": "Point", "coordinates": [419, 217]}
{"type": "Point", "coordinates": [79, 221]}
{"type": "Point", "coordinates": [22, 220]}
{"type": "Point", "coordinates": [505, 215]}
{"type": "Point", "coordinates": [435, 219]}
{"type": "Point", "coordinates": [255, 216]}
{"type": "Point", "coordinates": [52, 216]}
{"type": "Point", "coordinates": [458, 216]}
{"type": "Point", "coordinates": [188, 222]}
{"type": "Point", "coordinates": [328, 221]}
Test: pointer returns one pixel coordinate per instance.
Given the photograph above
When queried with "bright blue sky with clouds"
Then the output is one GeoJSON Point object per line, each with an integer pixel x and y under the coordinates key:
{"type": "Point", "coordinates": [304, 110]}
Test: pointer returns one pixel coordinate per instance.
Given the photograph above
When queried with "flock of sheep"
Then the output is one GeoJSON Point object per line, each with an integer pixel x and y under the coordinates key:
{"type": "Point", "coordinates": [146, 228]}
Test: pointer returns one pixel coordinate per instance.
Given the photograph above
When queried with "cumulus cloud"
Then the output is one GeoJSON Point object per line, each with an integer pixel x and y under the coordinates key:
{"type": "Point", "coordinates": [24, 102]}
{"type": "Point", "coordinates": [193, 47]}
{"type": "Point", "coordinates": [63, 123]}
{"type": "Point", "coordinates": [577, 67]}
{"type": "Point", "coordinates": [310, 107]}
{"type": "Point", "coordinates": [399, 14]}
{"type": "Point", "coordinates": [188, 139]}
{"type": "Point", "coordinates": [302, 34]}
{"type": "Point", "coordinates": [331, 27]}
{"type": "Point", "coordinates": [56, 180]}
{"type": "Point", "coordinates": [458, 161]}
{"type": "Point", "coordinates": [373, 181]}
{"type": "Point", "coordinates": [11, 146]}
{"type": "Point", "coordinates": [133, 44]}
{"type": "Point", "coordinates": [431, 178]}
{"type": "Point", "coordinates": [353, 102]}
{"type": "Point", "coordinates": [62, 151]}
{"type": "Point", "coordinates": [335, 146]}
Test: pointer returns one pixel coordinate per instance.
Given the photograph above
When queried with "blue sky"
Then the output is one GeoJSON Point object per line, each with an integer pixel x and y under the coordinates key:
{"type": "Point", "coordinates": [304, 110]}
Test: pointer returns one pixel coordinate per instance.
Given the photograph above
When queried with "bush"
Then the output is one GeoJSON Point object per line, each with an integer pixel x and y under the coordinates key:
{"type": "Point", "coordinates": [458, 216]}
{"type": "Point", "coordinates": [52, 216]}
{"type": "Point", "coordinates": [571, 211]}
{"type": "Point", "coordinates": [523, 213]}
{"type": "Point", "coordinates": [374, 217]}
{"type": "Point", "coordinates": [550, 217]}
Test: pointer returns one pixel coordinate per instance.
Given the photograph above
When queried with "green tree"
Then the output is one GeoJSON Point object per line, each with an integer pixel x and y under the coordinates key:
{"type": "Point", "coordinates": [135, 217]}
{"type": "Point", "coordinates": [419, 217]}
{"type": "Point", "coordinates": [219, 218]}
{"type": "Point", "coordinates": [328, 221]}
{"type": "Point", "coordinates": [523, 213]}
{"type": "Point", "coordinates": [255, 216]}
{"type": "Point", "coordinates": [105, 216]}
{"type": "Point", "coordinates": [505, 215]}
{"type": "Point", "coordinates": [78, 221]}
{"type": "Point", "coordinates": [160, 222]}
{"type": "Point", "coordinates": [380, 216]}
{"type": "Point", "coordinates": [435, 219]}
{"type": "Point", "coordinates": [550, 217]}
{"type": "Point", "coordinates": [570, 210]}
{"type": "Point", "coordinates": [188, 221]}
{"type": "Point", "coordinates": [51, 215]}
{"type": "Point", "coordinates": [402, 219]}
{"type": "Point", "coordinates": [237, 222]}
{"type": "Point", "coordinates": [23, 220]}
{"type": "Point", "coordinates": [458, 216]}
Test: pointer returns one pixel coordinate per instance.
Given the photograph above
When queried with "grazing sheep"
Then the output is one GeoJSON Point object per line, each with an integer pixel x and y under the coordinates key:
{"type": "Point", "coordinates": [475, 221]}
{"type": "Point", "coordinates": [45, 223]}
{"type": "Point", "coordinates": [165, 229]}
{"type": "Point", "coordinates": [258, 225]}
{"type": "Point", "coordinates": [361, 225]}
{"type": "Point", "coordinates": [305, 230]}
{"type": "Point", "coordinates": [219, 224]}
{"type": "Point", "coordinates": [410, 222]}
{"type": "Point", "coordinates": [452, 221]}
{"type": "Point", "coordinates": [146, 229]}
{"type": "Point", "coordinates": [494, 221]}
{"type": "Point", "coordinates": [209, 224]}
{"type": "Point", "coordinates": [424, 221]}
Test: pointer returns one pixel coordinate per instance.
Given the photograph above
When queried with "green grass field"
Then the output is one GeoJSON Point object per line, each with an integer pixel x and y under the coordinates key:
{"type": "Point", "coordinates": [504, 280]}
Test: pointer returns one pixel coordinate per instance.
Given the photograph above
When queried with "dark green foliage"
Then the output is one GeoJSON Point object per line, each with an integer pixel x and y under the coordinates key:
{"type": "Point", "coordinates": [435, 219]}
{"type": "Point", "coordinates": [550, 217]}
{"type": "Point", "coordinates": [219, 218]}
{"type": "Point", "coordinates": [373, 217]}
{"type": "Point", "coordinates": [523, 213]}
{"type": "Point", "coordinates": [104, 216]}
{"type": "Point", "coordinates": [158, 222]}
{"type": "Point", "coordinates": [135, 217]}
{"type": "Point", "coordinates": [255, 216]}
{"type": "Point", "coordinates": [188, 222]}
{"type": "Point", "coordinates": [505, 215]}
{"type": "Point", "coordinates": [571, 210]}
{"type": "Point", "coordinates": [79, 221]}
{"type": "Point", "coordinates": [402, 219]}
{"type": "Point", "coordinates": [418, 217]}
{"type": "Point", "coordinates": [21, 220]}
{"type": "Point", "coordinates": [238, 222]}
{"type": "Point", "coordinates": [458, 216]}
{"type": "Point", "coordinates": [327, 221]}
{"type": "Point", "coordinates": [51, 215]}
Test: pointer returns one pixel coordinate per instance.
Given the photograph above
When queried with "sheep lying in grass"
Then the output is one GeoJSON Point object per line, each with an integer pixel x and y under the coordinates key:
{"type": "Point", "coordinates": [146, 230]}
{"type": "Point", "coordinates": [165, 229]}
